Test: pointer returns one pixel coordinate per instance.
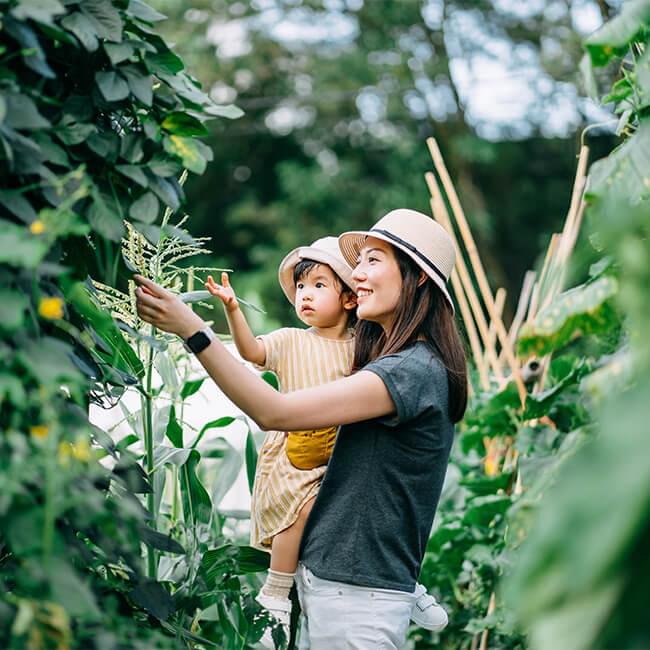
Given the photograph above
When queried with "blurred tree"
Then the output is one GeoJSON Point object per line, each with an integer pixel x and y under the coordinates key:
{"type": "Point", "coordinates": [339, 98]}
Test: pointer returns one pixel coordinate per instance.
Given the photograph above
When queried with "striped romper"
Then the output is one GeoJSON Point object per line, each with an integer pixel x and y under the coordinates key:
{"type": "Point", "coordinates": [301, 359]}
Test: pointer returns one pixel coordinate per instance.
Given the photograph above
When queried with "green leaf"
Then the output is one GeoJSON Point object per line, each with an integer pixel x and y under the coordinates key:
{"type": "Point", "coordinates": [159, 541]}
{"type": "Point", "coordinates": [187, 150]}
{"type": "Point", "coordinates": [174, 431]}
{"type": "Point", "coordinates": [71, 592]}
{"type": "Point", "coordinates": [191, 387]}
{"type": "Point", "coordinates": [252, 560]}
{"type": "Point", "coordinates": [170, 456]}
{"type": "Point", "coordinates": [214, 424]}
{"type": "Point", "coordinates": [72, 134]}
{"type": "Point", "coordinates": [183, 124]}
{"type": "Point", "coordinates": [105, 18]}
{"type": "Point", "coordinates": [83, 28]}
{"type": "Point", "coordinates": [583, 310]}
{"type": "Point", "coordinates": [18, 247]}
{"type": "Point", "coordinates": [271, 378]}
{"type": "Point", "coordinates": [165, 191]}
{"type": "Point", "coordinates": [197, 505]}
{"type": "Point", "coordinates": [50, 361]}
{"type": "Point", "coordinates": [153, 598]}
{"type": "Point", "coordinates": [17, 204]}
{"type": "Point", "coordinates": [251, 459]}
{"type": "Point", "coordinates": [482, 511]}
{"type": "Point", "coordinates": [42, 11]}
{"type": "Point", "coordinates": [12, 389]}
{"type": "Point", "coordinates": [105, 145]}
{"type": "Point", "coordinates": [118, 52]}
{"type": "Point", "coordinates": [122, 355]}
{"type": "Point", "coordinates": [23, 114]}
{"type": "Point", "coordinates": [140, 85]}
{"type": "Point", "coordinates": [228, 471]}
{"type": "Point", "coordinates": [163, 63]}
{"type": "Point", "coordinates": [52, 152]}
{"type": "Point", "coordinates": [133, 172]}
{"type": "Point", "coordinates": [131, 147]}
{"type": "Point", "coordinates": [612, 39]}
{"type": "Point", "coordinates": [230, 111]}
{"type": "Point", "coordinates": [106, 222]}
{"type": "Point", "coordinates": [142, 11]}
{"type": "Point", "coordinates": [12, 309]}
{"type": "Point", "coordinates": [112, 86]}
{"type": "Point", "coordinates": [145, 208]}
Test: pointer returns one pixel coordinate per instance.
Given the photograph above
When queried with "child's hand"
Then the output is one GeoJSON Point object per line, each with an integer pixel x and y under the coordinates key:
{"type": "Point", "coordinates": [223, 291]}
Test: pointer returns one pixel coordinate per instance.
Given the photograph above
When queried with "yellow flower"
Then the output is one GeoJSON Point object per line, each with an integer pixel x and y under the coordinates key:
{"type": "Point", "coordinates": [79, 450]}
{"type": "Point", "coordinates": [51, 308]}
{"type": "Point", "coordinates": [39, 431]}
{"type": "Point", "coordinates": [37, 227]}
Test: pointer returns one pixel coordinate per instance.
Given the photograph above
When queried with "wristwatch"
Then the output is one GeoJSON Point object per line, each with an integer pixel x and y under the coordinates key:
{"type": "Point", "coordinates": [200, 340]}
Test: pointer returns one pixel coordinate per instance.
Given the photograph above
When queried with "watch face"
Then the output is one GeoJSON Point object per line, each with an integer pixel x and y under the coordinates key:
{"type": "Point", "coordinates": [198, 342]}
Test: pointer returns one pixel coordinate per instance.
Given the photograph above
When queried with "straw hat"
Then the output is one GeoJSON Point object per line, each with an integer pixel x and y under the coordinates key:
{"type": "Point", "coordinates": [324, 250]}
{"type": "Point", "coordinates": [425, 241]}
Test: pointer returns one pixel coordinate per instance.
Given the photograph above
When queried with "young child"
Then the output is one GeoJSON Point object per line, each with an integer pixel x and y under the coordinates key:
{"type": "Point", "coordinates": [318, 282]}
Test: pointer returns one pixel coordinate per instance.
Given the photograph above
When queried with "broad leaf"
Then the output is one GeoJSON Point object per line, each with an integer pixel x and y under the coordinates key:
{"type": "Point", "coordinates": [583, 310]}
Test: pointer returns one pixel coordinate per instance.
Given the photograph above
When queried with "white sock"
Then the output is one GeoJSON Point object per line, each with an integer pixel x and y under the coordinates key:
{"type": "Point", "coordinates": [278, 584]}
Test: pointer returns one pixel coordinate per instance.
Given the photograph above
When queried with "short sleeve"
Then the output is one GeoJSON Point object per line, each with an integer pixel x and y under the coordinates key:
{"type": "Point", "coordinates": [275, 346]}
{"type": "Point", "coordinates": [414, 379]}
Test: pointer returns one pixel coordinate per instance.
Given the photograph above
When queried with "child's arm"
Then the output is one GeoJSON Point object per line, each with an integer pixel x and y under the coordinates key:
{"type": "Point", "coordinates": [248, 346]}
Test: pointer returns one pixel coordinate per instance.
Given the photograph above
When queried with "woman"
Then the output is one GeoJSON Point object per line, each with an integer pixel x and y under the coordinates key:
{"type": "Point", "coordinates": [365, 538]}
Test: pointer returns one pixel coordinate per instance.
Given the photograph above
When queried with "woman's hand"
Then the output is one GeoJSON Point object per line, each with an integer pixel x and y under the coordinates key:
{"type": "Point", "coordinates": [223, 291]}
{"type": "Point", "coordinates": [165, 310]}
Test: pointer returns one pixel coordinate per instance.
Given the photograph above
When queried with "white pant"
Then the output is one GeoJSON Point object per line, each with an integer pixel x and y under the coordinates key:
{"type": "Point", "coordinates": [340, 616]}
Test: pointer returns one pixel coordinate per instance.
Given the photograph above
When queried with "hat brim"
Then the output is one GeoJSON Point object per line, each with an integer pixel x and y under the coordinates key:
{"type": "Point", "coordinates": [352, 242]}
{"type": "Point", "coordinates": [288, 264]}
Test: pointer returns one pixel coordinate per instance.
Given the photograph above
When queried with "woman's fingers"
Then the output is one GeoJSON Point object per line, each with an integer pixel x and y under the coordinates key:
{"type": "Point", "coordinates": [145, 298]}
{"type": "Point", "coordinates": [224, 280]}
{"type": "Point", "coordinates": [149, 286]}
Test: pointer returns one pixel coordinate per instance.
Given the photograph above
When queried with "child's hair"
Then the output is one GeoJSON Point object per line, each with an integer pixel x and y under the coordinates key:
{"type": "Point", "coordinates": [422, 313]}
{"type": "Point", "coordinates": [305, 267]}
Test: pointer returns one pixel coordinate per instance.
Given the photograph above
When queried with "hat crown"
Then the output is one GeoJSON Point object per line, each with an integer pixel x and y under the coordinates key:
{"type": "Point", "coordinates": [421, 233]}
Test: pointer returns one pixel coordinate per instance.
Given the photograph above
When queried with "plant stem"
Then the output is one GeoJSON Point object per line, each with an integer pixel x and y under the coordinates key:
{"type": "Point", "coordinates": [148, 444]}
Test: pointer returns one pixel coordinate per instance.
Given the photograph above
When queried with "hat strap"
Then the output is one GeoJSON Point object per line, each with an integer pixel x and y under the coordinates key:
{"type": "Point", "coordinates": [424, 258]}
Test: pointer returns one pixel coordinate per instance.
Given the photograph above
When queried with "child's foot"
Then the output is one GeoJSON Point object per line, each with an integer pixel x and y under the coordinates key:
{"type": "Point", "coordinates": [280, 610]}
{"type": "Point", "coordinates": [426, 611]}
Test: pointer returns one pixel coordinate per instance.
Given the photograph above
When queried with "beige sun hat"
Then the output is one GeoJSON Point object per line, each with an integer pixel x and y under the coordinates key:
{"type": "Point", "coordinates": [424, 240]}
{"type": "Point", "coordinates": [325, 250]}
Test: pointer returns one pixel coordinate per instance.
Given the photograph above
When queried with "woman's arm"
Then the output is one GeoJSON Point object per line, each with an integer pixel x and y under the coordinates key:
{"type": "Point", "coordinates": [249, 347]}
{"type": "Point", "coordinates": [360, 397]}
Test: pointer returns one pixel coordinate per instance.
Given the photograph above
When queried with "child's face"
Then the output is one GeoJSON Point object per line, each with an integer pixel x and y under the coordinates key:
{"type": "Point", "coordinates": [319, 300]}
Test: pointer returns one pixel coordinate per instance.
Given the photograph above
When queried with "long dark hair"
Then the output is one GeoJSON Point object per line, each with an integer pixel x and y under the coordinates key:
{"type": "Point", "coordinates": [422, 313]}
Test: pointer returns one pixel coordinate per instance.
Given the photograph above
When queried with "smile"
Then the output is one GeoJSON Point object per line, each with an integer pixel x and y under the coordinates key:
{"type": "Point", "coordinates": [363, 293]}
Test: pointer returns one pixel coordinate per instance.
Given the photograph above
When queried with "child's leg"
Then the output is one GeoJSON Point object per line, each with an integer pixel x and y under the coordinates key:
{"type": "Point", "coordinates": [284, 556]}
{"type": "Point", "coordinates": [285, 545]}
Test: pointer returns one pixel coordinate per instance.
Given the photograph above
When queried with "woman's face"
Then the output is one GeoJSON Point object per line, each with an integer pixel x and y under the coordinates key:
{"type": "Point", "coordinates": [379, 282]}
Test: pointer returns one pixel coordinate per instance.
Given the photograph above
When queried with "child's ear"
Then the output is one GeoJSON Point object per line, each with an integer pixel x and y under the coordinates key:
{"type": "Point", "coordinates": [350, 300]}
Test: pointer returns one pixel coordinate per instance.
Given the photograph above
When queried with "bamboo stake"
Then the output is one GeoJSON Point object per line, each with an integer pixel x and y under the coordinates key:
{"type": "Point", "coordinates": [499, 303]}
{"type": "Point", "coordinates": [479, 272]}
{"type": "Point", "coordinates": [491, 607]}
{"type": "Point", "coordinates": [442, 216]}
{"type": "Point", "coordinates": [570, 229]}
{"type": "Point", "coordinates": [522, 306]}
{"type": "Point", "coordinates": [470, 326]}
{"type": "Point", "coordinates": [537, 291]}
{"type": "Point", "coordinates": [468, 319]}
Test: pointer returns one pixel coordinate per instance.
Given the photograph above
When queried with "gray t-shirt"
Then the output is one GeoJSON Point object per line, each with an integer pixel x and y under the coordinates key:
{"type": "Point", "coordinates": [372, 518]}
